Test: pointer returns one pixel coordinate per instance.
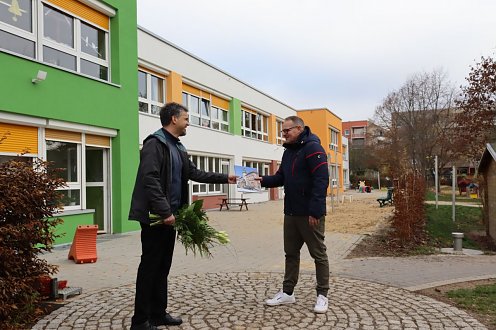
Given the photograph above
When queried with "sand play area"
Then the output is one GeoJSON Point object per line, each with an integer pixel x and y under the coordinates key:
{"type": "Point", "coordinates": [360, 216]}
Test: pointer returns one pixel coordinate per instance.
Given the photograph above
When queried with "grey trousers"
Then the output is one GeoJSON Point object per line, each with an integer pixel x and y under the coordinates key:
{"type": "Point", "coordinates": [296, 232]}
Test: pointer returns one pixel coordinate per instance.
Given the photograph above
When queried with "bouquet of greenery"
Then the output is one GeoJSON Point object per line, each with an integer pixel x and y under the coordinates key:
{"type": "Point", "coordinates": [193, 229]}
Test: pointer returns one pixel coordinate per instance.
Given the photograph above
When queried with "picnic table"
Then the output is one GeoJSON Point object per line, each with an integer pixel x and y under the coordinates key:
{"type": "Point", "coordinates": [234, 201]}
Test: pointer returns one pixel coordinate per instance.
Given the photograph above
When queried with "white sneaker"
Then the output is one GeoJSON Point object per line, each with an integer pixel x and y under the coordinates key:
{"type": "Point", "coordinates": [281, 298]}
{"type": "Point", "coordinates": [321, 305]}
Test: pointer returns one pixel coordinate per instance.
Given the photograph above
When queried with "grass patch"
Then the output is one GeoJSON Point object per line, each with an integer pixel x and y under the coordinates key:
{"type": "Point", "coordinates": [440, 225]}
{"type": "Point", "coordinates": [446, 197]}
{"type": "Point", "coordinates": [481, 299]}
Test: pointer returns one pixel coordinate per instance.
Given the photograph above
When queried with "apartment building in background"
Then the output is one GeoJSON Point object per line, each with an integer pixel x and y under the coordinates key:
{"type": "Point", "coordinates": [355, 132]}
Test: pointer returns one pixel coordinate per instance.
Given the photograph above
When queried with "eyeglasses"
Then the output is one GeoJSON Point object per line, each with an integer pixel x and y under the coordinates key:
{"type": "Point", "coordinates": [286, 130]}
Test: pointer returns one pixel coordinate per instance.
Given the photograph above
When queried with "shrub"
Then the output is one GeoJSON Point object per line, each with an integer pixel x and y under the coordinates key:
{"type": "Point", "coordinates": [408, 222]}
{"type": "Point", "coordinates": [28, 197]}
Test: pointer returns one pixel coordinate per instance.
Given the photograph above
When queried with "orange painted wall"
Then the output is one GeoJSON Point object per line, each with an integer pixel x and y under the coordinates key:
{"type": "Point", "coordinates": [320, 121]}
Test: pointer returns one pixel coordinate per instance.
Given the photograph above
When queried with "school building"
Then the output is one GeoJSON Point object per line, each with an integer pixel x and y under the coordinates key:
{"type": "Point", "coordinates": [82, 86]}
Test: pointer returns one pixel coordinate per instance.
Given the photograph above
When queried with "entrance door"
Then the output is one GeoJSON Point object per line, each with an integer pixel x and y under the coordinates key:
{"type": "Point", "coordinates": [97, 196]}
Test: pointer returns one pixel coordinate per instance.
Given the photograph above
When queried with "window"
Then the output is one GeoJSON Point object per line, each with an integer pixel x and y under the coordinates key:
{"type": "Point", "coordinates": [202, 113]}
{"type": "Point", "coordinates": [57, 38]}
{"type": "Point", "coordinates": [346, 132]}
{"type": "Point", "coordinates": [16, 27]}
{"type": "Point", "coordinates": [279, 138]}
{"type": "Point", "coordinates": [19, 158]}
{"type": "Point", "coordinates": [66, 156]}
{"type": "Point", "coordinates": [254, 125]}
{"type": "Point", "coordinates": [151, 93]}
{"type": "Point", "coordinates": [358, 130]}
{"type": "Point", "coordinates": [334, 138]}
{"type": "Point", "coordinates": [220, 119]}
{"type": "Point", "coordinates": [333, 171]}
{"type": "Point", "coordinates": [209, 164]}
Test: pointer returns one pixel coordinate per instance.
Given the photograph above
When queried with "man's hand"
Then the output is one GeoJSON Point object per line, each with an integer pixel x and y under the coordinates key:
{"type": "Point", "coordinates": [232, 179]}
{"type": "Point", "coordinates": [258, 178]}
{"type": "Point", "coordinates": [169, 221]}
{"type": "Point", "coordinates": [313, 222]}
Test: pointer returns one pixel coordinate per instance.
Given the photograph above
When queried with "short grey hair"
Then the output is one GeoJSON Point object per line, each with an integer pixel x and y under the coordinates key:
{"type": "Point", "coordinates": [296, 120]}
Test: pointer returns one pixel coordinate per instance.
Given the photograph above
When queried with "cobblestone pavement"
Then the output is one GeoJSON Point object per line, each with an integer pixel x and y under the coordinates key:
{"type": "Point", "coordinates": [228, 291]}
{"type": "Point", "coordinates": [236, 301]}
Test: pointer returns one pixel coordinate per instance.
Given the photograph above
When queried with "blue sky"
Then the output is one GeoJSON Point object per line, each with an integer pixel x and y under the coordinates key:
{"type": "Point", "coordinates": [344, 55]}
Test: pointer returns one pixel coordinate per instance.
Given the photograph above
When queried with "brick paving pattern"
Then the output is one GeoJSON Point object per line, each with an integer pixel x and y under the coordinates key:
{"type": "Point", "coordinates": [229, 291]}
{"type": "Point", "coordinates": [236, 301]}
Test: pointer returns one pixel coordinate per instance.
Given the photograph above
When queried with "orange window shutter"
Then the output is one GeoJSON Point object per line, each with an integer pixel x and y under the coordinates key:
{"type": "Point", "coordinates": [53, 134]}
{"type": "Point", "coordinates": [19, 139]}
{"type": "Point", "coordinates": [205, 95]}
{"type": "Point", "coordinates": [83, 11]}
{"type": "Point", "coordinates": [155, 73]}
{"type": "Point", "coordinates": [98, 140]}
{"type": "Point", "coordinates": [191, 90]}
{"type": "Point", "coordinates": [221, 103]}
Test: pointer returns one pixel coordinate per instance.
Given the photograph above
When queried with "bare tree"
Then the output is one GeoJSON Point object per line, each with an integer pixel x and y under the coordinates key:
{"type": "Point", "coordinates": [476, 118]}
{"type": "Point", "coordinates": [417, 120]}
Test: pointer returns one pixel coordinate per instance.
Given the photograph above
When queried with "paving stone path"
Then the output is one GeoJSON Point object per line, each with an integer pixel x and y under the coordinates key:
{"type": "Point", "coordinates": [236, 301]}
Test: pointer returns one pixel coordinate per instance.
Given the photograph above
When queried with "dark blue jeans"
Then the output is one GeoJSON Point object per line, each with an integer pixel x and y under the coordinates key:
{"type": "Point", "coordinates": [157, 248]}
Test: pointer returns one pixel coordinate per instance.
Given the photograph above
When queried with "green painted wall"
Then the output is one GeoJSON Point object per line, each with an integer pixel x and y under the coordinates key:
{"type": "Point", "coordinates": [68, 227]}
{"type": "Point", "coordinates": [235, 116]}
{"type": "Point", "coordinates": [71, 97]}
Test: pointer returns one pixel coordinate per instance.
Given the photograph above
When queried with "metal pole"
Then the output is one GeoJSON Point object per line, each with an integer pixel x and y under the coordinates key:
{"type": "Point", "coordinates": [453, 184]}
{"type": "Point", "coordinates": [379, 180]}
{"type": "Point", "coordinates": [436, 181]}
{"type": "Point", "coordinates": [337, 174]}
{"type": "Point", "coordinates": [332, 190]}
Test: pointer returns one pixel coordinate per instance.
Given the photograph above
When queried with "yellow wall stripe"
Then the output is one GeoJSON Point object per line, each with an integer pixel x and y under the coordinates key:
{"type": "Point", "coordinates": [53, 134]}
{"type": "Point", "coordinates": [19, 139]}
{"type": "Point", "coordinates": [174, 88]}
{"type": "Point", "coordinates": [98, 140]}
{"type": "Point", "coordinates": [81, 10]}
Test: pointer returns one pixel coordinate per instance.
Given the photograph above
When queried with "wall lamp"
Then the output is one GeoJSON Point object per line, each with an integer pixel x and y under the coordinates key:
{"type": "Point", "coordinates": [39, 77]}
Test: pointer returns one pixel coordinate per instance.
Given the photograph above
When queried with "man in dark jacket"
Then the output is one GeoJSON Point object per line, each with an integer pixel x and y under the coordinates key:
{"type": "Point", "coordinates": [305, 177]}
{"type": "Point", "coordinates": [161, 188]}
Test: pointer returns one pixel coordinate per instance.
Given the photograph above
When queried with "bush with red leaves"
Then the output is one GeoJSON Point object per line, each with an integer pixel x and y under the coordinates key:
{"type": "Point", "coordinates": [28, 200]}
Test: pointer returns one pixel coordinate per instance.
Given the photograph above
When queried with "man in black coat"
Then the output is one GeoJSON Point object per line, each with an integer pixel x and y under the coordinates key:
{"type": "Point", "coordinates": [161, 188]}
{"type": "Point", "coordinates": [305, 177]}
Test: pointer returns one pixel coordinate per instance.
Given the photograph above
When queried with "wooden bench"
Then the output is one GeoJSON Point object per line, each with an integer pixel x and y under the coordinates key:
{"type": "Point", "coordinates": [233, 201]}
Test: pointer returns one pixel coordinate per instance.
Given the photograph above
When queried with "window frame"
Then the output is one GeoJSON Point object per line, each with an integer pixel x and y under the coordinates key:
{"type": "Point", "coordinates": [199, 119]}
{"type": "Point", "coordinates": [72, 185]}
{"type": "Point", "coordinates": [40, 41]}
{"type": "Point", "coordinates": [334, 138]}
{"type": "Point", "coordinates": [261, 122]}
{"type": "Point", "coordinates": [209, 164]}
{"type": "Point", "coordinates": [279, 136]}
{"type": "Point", "coordinates": [148, 99]}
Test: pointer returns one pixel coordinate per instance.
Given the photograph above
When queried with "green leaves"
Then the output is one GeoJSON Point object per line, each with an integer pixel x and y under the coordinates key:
{"type": "Point", "coordinates": [195, 233]}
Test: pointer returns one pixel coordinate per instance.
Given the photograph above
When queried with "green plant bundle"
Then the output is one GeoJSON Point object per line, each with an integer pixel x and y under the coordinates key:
{"type": "Point", "coordinates": [193, 230]}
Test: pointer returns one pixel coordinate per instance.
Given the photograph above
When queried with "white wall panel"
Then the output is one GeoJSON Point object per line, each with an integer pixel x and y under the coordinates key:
{"type": "Point", "coordinates": [153, 49]}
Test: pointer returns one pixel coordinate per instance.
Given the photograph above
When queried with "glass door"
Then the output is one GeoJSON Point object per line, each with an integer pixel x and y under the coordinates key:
{"type": "Point", "coordinates": [97, 186]}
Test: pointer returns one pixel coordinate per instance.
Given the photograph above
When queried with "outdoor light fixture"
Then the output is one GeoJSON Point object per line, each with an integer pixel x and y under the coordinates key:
{"type": "Point", "coordinates": [39, 77]}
